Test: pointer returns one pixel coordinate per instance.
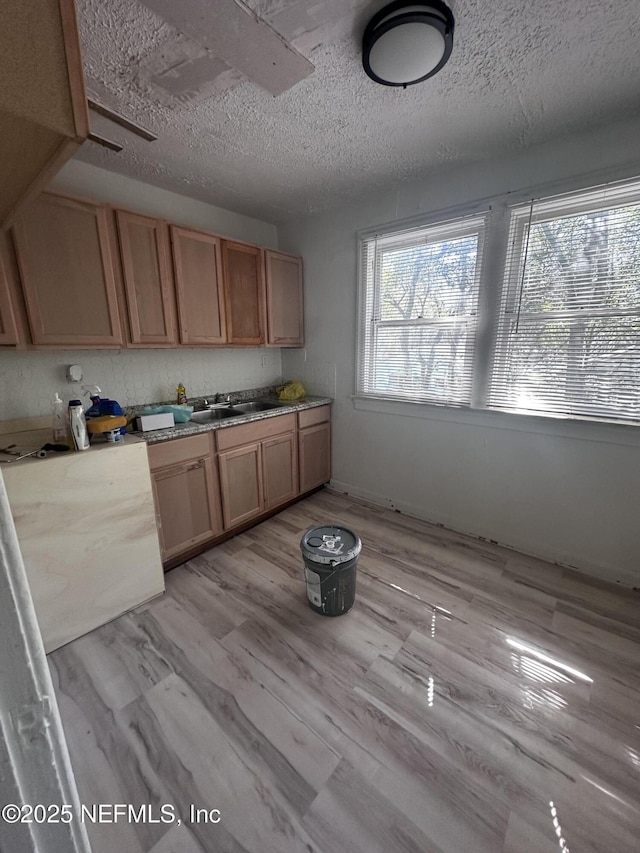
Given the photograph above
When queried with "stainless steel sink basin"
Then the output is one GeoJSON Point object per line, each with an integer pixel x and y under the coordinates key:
{"type": "Point", "coordinates": [210, 415]}
{"type": "Point", "coordinates": [255, 406]}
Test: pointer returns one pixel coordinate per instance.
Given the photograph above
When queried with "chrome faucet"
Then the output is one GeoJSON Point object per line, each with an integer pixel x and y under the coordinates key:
{"type": "Point", "coordinates": [223, 398]}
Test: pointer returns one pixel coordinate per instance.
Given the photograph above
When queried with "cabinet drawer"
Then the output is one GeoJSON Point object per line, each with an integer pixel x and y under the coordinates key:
{"type": "Point", "coordinates": [310, 417]}
{"type": "Point", "coordinates": [178, 450]}
{"type": "Point", "coordinates": [256, 431]}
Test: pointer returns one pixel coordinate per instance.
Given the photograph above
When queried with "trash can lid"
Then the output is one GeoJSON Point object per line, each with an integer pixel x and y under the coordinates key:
{"type": "Point", "coordinates": [330, 544]}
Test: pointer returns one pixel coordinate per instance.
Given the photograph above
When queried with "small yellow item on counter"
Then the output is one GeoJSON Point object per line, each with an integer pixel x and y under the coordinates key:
{"type": "Point", "coordinates": [105, 423]}
{"type": "Point", "coordinates": [292, 390]}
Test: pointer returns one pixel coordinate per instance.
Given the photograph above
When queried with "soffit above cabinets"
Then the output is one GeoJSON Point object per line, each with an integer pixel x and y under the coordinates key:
{"type": "Point", "coordinates": [313, 131]}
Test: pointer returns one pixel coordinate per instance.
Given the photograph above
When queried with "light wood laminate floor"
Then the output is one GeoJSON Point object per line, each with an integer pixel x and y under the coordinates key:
{"type": "Point", "coordinates": [473, 701]}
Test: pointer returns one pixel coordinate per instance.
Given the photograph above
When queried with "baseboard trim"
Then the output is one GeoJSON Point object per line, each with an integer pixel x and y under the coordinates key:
{"type": "Point", "coordinates": [611, 574]}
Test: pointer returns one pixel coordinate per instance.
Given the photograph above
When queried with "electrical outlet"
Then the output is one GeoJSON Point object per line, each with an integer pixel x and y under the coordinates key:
{"type": "Point", "coordinates": [265, 361]}
{"type": "Point", "coordinates": [74, 373]}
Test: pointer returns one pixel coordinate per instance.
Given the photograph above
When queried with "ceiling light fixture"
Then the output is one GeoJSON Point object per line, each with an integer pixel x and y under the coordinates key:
{"type": "Point", "coordinates": [406, 43]}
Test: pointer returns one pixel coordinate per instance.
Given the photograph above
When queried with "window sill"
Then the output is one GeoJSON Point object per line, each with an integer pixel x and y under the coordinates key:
{"type": "Point", "coordinates": [581, 429]}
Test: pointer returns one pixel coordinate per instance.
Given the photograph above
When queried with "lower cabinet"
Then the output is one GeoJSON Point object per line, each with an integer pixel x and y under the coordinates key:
{"type": "Point", "coordinates": [314, 447]}
{"type": "Point", "coordinates": [87, 533]}
{"type": "Point", "coordinates": [200, 494]}
{"type": "Point", "coordinates": [258, 469]}
{"type": "Point", "coordinates": [241, 484]}
{"type": "Point", "coordinates": [186, 493]}
{"type": "Point", "coordinates": [280, 470]}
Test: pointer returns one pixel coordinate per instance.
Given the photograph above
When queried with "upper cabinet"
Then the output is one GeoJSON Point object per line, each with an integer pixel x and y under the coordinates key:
{"type": "Point", "coordinates": [244, 293]}
{"type": "Point", "coordinates": [43, 108]}
{"type": "Point", "coordinates": [285, 319]}
{"type": "Point", "coordinates": [148, 284]}
{"type": "Point", "coordinates": [78, 270]}
{"type": "Point", "coordinates": [199, 291]}
{"type": "Point", "coordinates": [8, 327]}
{"type": "Point", "coordinates": [66, 269]}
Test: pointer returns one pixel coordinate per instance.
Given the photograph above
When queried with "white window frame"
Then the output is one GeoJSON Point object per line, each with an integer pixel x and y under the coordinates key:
{"type": "Point", "coordinates": [371, 248]}
{"type": "Point", "coordinates": [520, 219]}
{"type": "Point", "coordinates": [497, 269]}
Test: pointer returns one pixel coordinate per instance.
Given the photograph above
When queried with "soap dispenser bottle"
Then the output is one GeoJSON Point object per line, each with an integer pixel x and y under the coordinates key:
{"type": "Point", "coordinates": [61, 427]}
{"type": "Point", "coordinates": [181, 394]}
{"type": "Point", "coordinates": [78, 425]}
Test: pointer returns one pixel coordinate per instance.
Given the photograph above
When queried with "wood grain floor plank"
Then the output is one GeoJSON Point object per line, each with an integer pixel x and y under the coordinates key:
{"type": "Point", "coordinates": [107, 770]}
{"type": "Point", "coordinates": [474, 700]}
{"type": "Point", "coordinates": [540, 726]}
{"type": "Point", "coordinates": [523, 838]}
{"type": "Point", "coordinates": [575, 588]}
{"type": "Point", "coordinates": [179, 839]}
{"type": "Point", "coordinates": [351, 814]}
{"type": "Point", "coordinates": [291, 736]}
{"type": "Point", "coordinates": [218, 771]}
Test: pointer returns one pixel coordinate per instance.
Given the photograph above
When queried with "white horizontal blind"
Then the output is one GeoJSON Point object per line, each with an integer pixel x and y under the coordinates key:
{"type": "Point", "coordinates": [568, 337]}
{"type": "Point", "coordinates": [418, 312]}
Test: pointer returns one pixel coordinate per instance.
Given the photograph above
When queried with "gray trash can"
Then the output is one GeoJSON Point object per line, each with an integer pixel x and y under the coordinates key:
{"type": "Point", "coordinates": [330, 554]}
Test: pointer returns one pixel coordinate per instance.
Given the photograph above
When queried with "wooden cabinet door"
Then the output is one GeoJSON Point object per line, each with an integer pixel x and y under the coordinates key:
{"type": "Point", "coordinates": [285, 316]}
{"type": "Point", "coordinates": [241, 484]}
{"type": "Point", "coordinates": [314, 444]}
{"type": "Point", "coordinates": [43, 105]}
{"type": "Point", "coordinates": [280, 470]}
{"type": "Point", "coordinates": [244, 293]}
{"type": "Point", "coordinates": [8, 327]}
{"type": "Point", "coordinates": [64, 257]}
{"type": "Point", "coordinates": [144, 250]}
{"type": "Point", "coordinates": [199, 291]}
{"type": "Point", "coordinates": [186, 505]}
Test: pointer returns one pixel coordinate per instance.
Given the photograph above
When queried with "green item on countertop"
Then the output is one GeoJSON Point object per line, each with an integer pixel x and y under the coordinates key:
{"type": "Point", "coordinates": [181, 414]}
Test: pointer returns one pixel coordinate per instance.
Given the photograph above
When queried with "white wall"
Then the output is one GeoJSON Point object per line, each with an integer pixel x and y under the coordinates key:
{"type": "Point", "coordinates": [82, 179]}
{"type": "Point", "coordinates": [28, 380]}
{"type": "Point", "coordinates": [561, 490]}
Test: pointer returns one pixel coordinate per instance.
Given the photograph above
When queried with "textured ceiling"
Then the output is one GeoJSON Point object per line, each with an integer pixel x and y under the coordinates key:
{"type": "Point", "coordinates": [520, 73]}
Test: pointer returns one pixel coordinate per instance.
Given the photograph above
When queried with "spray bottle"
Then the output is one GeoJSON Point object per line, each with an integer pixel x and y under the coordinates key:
{"type": "Point", "coordinates": [93, 391]}
{"type": "Point", "coordinates": [61, 428]}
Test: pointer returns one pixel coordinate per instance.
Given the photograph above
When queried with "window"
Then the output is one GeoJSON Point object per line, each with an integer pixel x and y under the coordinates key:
{"type": "Point", "coordinates": [569, 330]}
{"type": "Point", "coordinates": [558, 333]}
{"type": "Point", "coordinates": [419, 312]}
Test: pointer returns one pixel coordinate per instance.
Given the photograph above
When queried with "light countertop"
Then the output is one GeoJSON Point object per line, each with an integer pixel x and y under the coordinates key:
{"type": "Point", "coordinates": [193, 428]}
{"type": "Point", "coordinates": [29, 440]}
{"type": "Point", "coordinates": [32, 439]}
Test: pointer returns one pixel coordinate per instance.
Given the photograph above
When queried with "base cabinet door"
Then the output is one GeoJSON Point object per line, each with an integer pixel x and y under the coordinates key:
{"type": "Point", "coordinates": [241, 484]}
{"type": "Point", "coordinates": [279, 470]}
{"type": "Point", "coordinates": [186, 505]}
{"type": "Point", "coordinates": [314, 447]}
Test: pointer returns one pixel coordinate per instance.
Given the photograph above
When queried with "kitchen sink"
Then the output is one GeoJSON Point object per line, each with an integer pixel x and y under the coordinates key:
{"type": "Point", "coordinates": [255, 406]}
{"type": "Point", "coordinates": [214, 415]}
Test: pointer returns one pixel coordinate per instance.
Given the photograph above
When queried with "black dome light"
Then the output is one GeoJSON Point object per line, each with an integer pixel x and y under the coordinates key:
{"type": "Point", "coordinates": [406, 43]}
